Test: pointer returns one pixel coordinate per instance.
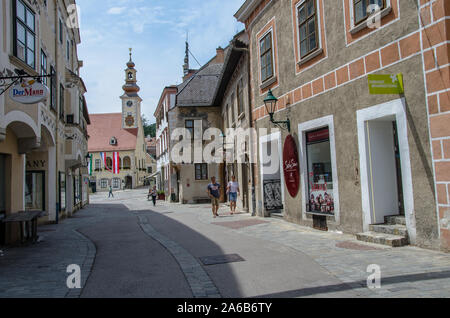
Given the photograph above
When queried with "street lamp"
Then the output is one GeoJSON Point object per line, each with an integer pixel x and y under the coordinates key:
{"type": "Point", "coordinates": [271, 103]}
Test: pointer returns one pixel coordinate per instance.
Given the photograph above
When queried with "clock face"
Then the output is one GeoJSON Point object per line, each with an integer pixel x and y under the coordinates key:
{"type": "Point", "coordinates": [130, 103]}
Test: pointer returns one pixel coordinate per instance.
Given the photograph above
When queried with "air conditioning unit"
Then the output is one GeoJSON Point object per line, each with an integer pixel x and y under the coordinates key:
{"type": "Point", "coordinates": [70, 119]}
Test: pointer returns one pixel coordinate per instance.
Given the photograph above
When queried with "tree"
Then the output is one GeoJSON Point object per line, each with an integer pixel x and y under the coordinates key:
{"type": "Point", "coordinates": [149, 129]}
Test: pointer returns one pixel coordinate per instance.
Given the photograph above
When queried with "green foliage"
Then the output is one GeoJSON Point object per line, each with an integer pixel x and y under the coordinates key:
{"type": "Point", "coordinates": [149, 129]}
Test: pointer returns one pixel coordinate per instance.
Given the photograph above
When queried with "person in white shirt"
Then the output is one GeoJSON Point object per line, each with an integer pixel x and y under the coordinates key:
{"type": "Point", "coordinates": [233, 192]}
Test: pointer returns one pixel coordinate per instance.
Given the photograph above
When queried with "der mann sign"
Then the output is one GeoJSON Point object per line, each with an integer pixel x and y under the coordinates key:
{"type": "Point", "coordinates": [30, 92]}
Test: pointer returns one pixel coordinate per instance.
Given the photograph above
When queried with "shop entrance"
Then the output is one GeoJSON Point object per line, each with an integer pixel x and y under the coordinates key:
{"type": "Point", "coordinates": [35, 191]}
{"type": "Point", "coordinates": [384, 169]}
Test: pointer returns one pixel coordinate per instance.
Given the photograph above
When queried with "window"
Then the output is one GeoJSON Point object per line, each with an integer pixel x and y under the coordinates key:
{"type": "Point", "coordinates": [361, 8]}
{"type": "Point", "coordinates": [24, 35]}
{"type": "Point", "coordinates": [61, 31]}
{"type": "Point", "coordinates": [149, 170]}
{"type": "Point", "coordinates": [104, 183]}
{"type": "Point", "coordinates": [109, 163]}
{"type": "Point", "coordinates": [98, 164]}
{"type": "Point", "coordinates": [320, 174]}
{"type": "Point", "coordinates": [113, 141]}
{"type": "Point", "coordinates": [308, 27]}
{"type": "Point", "coordinates": [266, 57]}
{"type": "Point", "coordinates": [44, 67]}
{"type": "Point", "coordinates": [240, 100]}
{"type": "Point", "coordinates": [189, 125]}
{"type": "Point", "coordinates": [68, 50]}
{"type": "Point", "coordinates": [61, 101]}
{"type": "Point", "coordinates": [127, 163]}
{"type": "Point", "coordinates": [116, 183]}
{"type": "Point", "coordinates": [201, 171]}
{"type": "Point", "coordinates": [233, 119]}
{"type": "Point", "coordinates": [80, 112]}
{"type": "Point", "coordinates": [53, 89]}
{"type": "Point", "coordinates": [34, 191]}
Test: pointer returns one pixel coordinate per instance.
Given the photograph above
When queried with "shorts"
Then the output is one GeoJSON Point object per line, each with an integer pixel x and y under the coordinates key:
{"type": "Point", "coordinates": [215, 202]}
{"type": "Point", "coordinates": [233, 196]}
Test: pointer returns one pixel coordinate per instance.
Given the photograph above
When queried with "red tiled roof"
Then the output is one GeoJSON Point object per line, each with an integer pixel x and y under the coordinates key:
{"type": "Point", "coordinates": [105, 126]}
{"type": "Point", "coordinates": [151, 142]}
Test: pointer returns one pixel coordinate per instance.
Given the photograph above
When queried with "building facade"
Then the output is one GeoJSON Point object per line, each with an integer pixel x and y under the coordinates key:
{"type": "Point", "coordinates": [42, 146]}
{"type": "Point", "coordinates": [117, 144]}
{"type": "Point", "coordinates": [362, 157]}
{"type": "Point", "coordinates": [233, 94]}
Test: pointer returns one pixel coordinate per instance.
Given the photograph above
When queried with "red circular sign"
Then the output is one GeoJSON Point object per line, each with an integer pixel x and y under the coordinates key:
{"type": "Point", "coordinates": [291, 166]}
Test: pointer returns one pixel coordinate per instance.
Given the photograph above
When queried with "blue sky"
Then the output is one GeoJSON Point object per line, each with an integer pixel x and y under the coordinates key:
{"type": "Point", "coordinates": [156, 30]}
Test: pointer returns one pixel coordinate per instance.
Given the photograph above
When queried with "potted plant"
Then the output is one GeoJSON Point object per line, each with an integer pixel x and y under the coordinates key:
{"type": "Point", "coordinates": [161, 195]}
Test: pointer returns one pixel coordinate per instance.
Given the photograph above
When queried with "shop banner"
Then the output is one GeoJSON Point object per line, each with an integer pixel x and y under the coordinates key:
{"type": "Point", "coordinates": [291, 166]}
{"type": "Point", "coordinates": [386, 84]}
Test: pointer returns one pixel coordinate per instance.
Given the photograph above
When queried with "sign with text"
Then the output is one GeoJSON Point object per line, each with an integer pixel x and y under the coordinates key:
{"type": "Point", "coordinates": [291, 166]}
{"type": "Point", "coordinates": [29, 92]}
{"type": "Point", "coordinates": [386, 84]}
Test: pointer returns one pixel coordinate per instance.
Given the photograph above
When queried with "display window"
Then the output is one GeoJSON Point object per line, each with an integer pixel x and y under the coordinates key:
{"type": "Point", "coordinates": [62, 191]}
{"type": "Point", "coordinates": [34, 192]}
{"type": "Point", "coordinates": [2, 184]}
{"type": "Point", "coordinates": [320, 174]}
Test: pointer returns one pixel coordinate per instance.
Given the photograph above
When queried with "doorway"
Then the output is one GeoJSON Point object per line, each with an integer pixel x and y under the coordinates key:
{"type": "Point", "coordinates": [128, 183]}
{"type": "Point", "coordinates": [35, 191]}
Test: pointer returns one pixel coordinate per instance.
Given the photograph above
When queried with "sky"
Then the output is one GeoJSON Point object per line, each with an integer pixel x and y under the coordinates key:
{"type": "Point", "coordinates": [156, 30]}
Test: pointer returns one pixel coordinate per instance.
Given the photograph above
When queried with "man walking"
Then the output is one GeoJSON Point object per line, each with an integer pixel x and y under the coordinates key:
{"type": "Point", "coordinates": [110, 192]}
{"type": "Point", "coordinates": [214, 194]}
{"type": "Point", "coordinates": [233, 192]}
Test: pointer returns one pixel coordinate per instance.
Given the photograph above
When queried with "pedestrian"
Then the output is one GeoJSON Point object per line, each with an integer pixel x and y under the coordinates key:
{"type": "Point", "coordinates": [233, 192]}
{"type": "Point", "coordinates": [154, 194]}
{"type": "Point", "coordinates": [214, 194]}
{"type": "Point", "coordinates": [110, 192]}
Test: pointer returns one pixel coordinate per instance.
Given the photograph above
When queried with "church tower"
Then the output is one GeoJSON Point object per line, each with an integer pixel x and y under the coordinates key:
{"type": "Point", "coordinates": [131, 102]}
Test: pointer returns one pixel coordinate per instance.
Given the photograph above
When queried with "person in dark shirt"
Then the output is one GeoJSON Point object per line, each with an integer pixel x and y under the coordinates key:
{"type": "Point", "coordinates": [214, 194]}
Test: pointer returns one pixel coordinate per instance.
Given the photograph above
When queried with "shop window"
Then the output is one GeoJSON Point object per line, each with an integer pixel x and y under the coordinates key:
{"type": "Point", "coordinates": [62, 191]}
{"type": "Point", "coordinates": [320, 174]}
{"type": "Point", "coordinates": [34, 192]}
{"type": "Point", "coordinates": [2, 184]}
{"type": "Point", "coordinates": [201, 171]}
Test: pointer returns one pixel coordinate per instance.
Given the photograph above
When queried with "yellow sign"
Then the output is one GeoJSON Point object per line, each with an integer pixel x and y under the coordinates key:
{"type": "Point", "coordinates": [386, 84]}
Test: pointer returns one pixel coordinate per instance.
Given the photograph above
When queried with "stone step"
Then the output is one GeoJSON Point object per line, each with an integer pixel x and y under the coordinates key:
{"type": "Point", "coordinates": [396, 229]}
{"type": "Point", "coordinates": [277, 215]}
{"type": "Point", "coordinates": [383, 239]}
{"type": "Point", "coordinates": [395, 220]}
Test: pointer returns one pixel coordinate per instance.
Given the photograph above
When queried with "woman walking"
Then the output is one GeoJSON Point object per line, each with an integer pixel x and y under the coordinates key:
{"type": "Point", "coordinates": [154, 194]}
{"type": "Point", "coordinates": [233, 192]}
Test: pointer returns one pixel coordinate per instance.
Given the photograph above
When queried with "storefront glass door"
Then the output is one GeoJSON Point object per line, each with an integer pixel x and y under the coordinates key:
{"type": "Point", "coordinates": [35, 191]}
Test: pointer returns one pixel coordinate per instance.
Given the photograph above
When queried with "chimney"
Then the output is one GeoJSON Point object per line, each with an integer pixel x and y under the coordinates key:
{"type": "Point", "coordinates": [220, 56]}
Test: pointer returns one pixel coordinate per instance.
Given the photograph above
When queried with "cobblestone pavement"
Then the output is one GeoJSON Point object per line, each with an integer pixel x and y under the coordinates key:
{"type": "Point", "coordinates": [280, 259]}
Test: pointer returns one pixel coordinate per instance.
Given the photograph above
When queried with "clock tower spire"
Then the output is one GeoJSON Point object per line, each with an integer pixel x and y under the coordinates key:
{"type": "Point", "coordinates": [131, 102]}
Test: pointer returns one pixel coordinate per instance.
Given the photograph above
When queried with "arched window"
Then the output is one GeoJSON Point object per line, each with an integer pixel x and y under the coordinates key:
{"type": "Point", "coordinates": [130, 75]}
{"type": "Point", "coordinates": [109, 163]}
{"type": "Point", "coordinates": [127, 163]}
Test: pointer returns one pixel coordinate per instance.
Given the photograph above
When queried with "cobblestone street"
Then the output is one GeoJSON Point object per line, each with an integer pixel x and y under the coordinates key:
{"type": "Point", "coordinates": [126, 248]}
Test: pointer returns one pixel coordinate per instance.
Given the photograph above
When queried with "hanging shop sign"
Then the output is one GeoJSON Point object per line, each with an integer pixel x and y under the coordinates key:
{"type": "Point", "coordinates": [291, 166]}
{"type": "Point", "coordinates": [29, 92]}
{"type": "Point", "coordinates": [386, 84]}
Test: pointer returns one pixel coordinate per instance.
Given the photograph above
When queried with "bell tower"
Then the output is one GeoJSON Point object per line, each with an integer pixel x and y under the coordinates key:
{"type": "Point", "coordinates": [131, 102]}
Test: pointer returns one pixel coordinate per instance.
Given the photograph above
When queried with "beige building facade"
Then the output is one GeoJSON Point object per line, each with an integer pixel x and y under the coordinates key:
{"type": "Point", "coordinates": [362, 157]}
{"type": "Point", "coordinates": [117, 143]}
{"type": "Point", "coordinates": [42, 146]}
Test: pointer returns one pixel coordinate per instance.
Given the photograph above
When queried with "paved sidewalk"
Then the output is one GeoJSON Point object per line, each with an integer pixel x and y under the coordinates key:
{"type": "Point", "coordinates": [405, 272]}
{"type": "Point", "coordinates": [40, 270]}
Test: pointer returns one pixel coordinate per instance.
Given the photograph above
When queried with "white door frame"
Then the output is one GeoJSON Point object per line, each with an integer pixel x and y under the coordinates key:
{"type": "Point", "coordinates": [395, 108]}
{"type": "Point", "coordinates": [303, 128]}
{"type": "Point", "coordinates": [265, 139]}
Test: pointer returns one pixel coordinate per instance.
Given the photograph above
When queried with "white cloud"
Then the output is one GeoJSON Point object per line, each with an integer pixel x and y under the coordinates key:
{"type": "Point", "coordinates": [116, 10]}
